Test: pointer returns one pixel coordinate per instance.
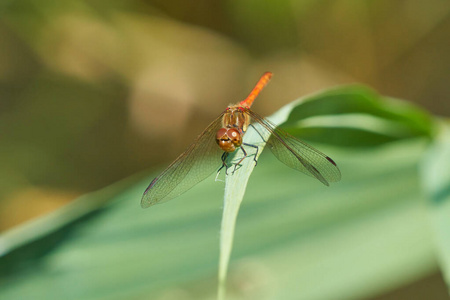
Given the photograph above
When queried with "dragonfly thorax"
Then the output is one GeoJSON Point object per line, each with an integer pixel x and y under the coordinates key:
{"type": "Point", "coordinates": [236, 117]}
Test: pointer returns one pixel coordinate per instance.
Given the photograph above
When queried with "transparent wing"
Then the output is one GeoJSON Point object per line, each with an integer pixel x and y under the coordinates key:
{"type": "Point", "coordinates": [199, 161]}
{"type": "Point", "coordinates": [297, 154]}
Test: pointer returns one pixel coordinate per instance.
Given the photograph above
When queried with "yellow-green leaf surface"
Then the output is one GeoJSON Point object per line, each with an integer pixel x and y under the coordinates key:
{"type": "Point", "coordinates": [436, 180]}
{"type": "Point", "coordinates": [294, 238]}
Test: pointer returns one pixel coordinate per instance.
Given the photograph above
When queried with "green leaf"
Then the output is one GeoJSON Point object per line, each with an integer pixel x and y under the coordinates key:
{"type": "Point", "coordinates": [235, 186]}
{"type": "Point", "coordinates": [436, 181]}
{"type": "Point", "coordinates": [355, 107]}
{"type": "Point", "coordinates": [295, 239]}
{"type": "Point", "coordinates": [357, 116]}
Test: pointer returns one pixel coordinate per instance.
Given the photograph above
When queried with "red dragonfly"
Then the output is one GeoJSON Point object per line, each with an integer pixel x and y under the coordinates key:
{"type": "Point", "coordinates": [225, 135]}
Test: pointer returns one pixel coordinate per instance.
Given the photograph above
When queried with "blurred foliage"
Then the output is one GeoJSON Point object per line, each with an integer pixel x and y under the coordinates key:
{"type": "Point", "coordinates": [357, 117]}
{"type": "Point", "coordinates": [95, 91]}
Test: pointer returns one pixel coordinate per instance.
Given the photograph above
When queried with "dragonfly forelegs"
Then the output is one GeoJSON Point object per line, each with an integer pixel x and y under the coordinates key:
{"type": "Point", "coordinates": [224, 163]}
{"type": "Point", "coordinates": [254, 156]}
{"type": "Point", "coordinates": [225, 156]}
{"type": "Point", "coordinates": [245, 156]}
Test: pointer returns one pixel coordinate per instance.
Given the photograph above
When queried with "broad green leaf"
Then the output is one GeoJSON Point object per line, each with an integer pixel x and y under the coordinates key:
{"type": "Point", "coordinates": [295, 238]}
{"type": "Point", "coordinates": [357, 116]}
{"type": "Point", "coordinates": [356, 108]}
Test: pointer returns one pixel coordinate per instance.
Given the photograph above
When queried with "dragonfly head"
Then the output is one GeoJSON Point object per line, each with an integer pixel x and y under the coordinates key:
{"type": "Point", "coordinates": [228, 139]}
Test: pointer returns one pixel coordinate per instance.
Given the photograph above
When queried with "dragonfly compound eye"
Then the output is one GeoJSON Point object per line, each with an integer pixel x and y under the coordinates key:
{"type": "Point", "coordinates": [235, 136]}
{"type": "Point", "coordinates": [228, 139]}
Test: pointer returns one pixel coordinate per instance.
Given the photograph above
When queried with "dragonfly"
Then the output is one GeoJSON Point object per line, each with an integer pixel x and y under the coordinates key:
{"type": "Point", "coordinates": [210, 150]}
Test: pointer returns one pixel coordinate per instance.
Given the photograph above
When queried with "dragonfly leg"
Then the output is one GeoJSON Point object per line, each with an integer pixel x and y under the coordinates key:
{"type": "Point", "coordinates": [224, 163]}
{"type": "Point", "coordinates": [239, 162]}
{"type": "Point", "coordinates": [256, 153]}
{"type": "Point", "coordinates": [245, 155]}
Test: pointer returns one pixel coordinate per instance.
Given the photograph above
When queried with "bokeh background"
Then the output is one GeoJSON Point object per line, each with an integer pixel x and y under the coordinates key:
{"type": "Point", "coordinates": [92, 92]}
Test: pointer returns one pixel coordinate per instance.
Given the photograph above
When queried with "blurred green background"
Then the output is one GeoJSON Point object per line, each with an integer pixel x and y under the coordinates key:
{"type": "Point", "coordinates": [92, 92]}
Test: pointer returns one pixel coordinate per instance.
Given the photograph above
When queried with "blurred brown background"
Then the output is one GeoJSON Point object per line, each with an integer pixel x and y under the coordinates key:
{"type": "Point", "coordinates": [94, 91]}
